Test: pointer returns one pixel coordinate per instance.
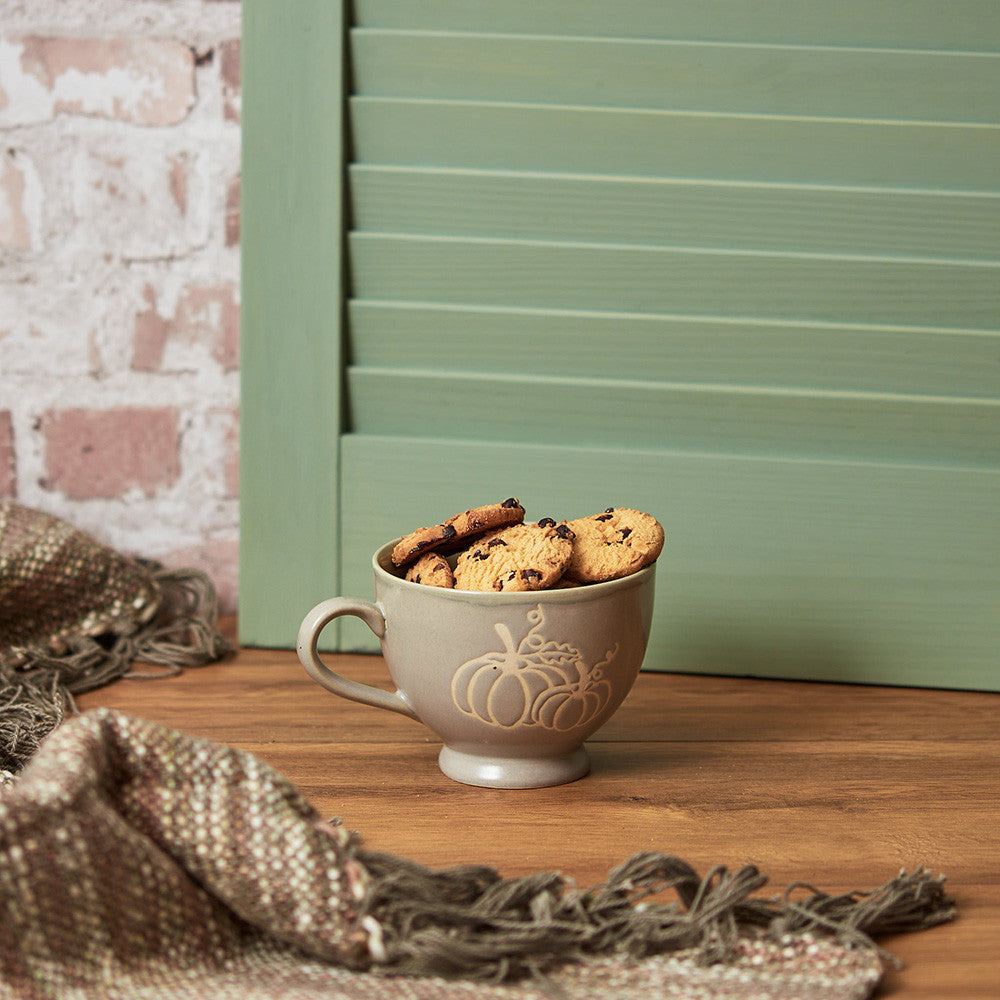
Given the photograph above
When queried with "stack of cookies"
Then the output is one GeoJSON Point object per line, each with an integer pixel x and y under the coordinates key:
{"type": "Point", "coordinates": [492, 548]}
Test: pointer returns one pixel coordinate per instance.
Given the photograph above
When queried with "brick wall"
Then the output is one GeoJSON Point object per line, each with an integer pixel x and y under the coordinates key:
{"type": "Point", "coordinates": [119, 271]}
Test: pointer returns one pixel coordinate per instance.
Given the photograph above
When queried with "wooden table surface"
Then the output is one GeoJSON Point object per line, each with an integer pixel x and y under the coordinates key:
{"type": "Point", "coordinates": [837, 785]}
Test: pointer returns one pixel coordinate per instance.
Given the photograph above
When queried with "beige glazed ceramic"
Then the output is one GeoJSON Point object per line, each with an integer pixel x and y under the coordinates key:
{"type": "Point", "coordinates": [512, 683]}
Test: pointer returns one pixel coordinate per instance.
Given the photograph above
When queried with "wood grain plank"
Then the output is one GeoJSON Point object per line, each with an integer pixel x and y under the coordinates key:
{"type": "Point", "coordinates": [655, 211]}
{"type": "Point", "coordinates": [824, 356]}
{"type": "Point", "coordinates": [692, 76]}
{"type": "Point", "coordinates": [776, 803]}
{"type": "Point", "coordinates": [926, 24]}
{"type": "Point", "coordinates": [608, 413]}
{"type": "Point", "coordinates": [775, 286]}
{"type": "Point", "coordinates": [270, 699]}
{"type": "Point", "coordinates": [497, 135]}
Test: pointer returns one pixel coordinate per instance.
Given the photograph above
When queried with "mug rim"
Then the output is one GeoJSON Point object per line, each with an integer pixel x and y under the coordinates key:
{"type": "Point", "coordinates": [569, 595]}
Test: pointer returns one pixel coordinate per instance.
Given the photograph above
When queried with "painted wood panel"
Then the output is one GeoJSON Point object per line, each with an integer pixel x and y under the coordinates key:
{"type": "Point", "coordinates": [645, 143]}
{"type": "Point", "coordinates": [678, 212]}
{"type": "Point", "coordinates": [292, 295]}
{"type": "Point", "coordinates": [881, 573]}
{"type": "Point", "coordinates": [695, 76]}
{"type": "Point", "coordinates": [611, 412]}
{"type": "Point", "coordinates": [781, 286]}
{"type": "Point", "coordinates": [972, 25]}
{"type": "Point", "coordinates": [721, 350]}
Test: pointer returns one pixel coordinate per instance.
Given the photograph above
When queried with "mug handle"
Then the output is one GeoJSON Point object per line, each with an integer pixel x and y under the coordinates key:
{"type": "Point", "coordinates": [309, 633]}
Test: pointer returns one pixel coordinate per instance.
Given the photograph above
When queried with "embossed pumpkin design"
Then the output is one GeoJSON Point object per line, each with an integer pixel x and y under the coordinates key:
{"type": "Point", "coordinates": [538, 682]}
{"type": "Point", "coordinates": [571, 705]}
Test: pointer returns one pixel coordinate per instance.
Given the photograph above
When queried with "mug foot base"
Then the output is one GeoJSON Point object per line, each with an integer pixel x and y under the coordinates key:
{"type": "Point", "coordinates": [513, 772]}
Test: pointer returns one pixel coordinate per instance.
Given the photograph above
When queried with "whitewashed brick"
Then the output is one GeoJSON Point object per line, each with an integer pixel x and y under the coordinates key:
{"type": "Point", "coordinates": [130, 199]}
{"type": "Point", "coordinates": [21, 200]}
{"type": "Point", "coordinates": [148, 81]}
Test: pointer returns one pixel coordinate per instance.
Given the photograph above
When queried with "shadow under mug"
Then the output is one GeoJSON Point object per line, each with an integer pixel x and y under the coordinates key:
{"type": "Point", "coordinates": [511, 682]}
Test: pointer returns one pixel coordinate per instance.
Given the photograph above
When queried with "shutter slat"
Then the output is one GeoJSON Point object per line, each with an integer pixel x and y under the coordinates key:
{"type": "Point", "coordinates": [972, 25]}
{"type": "Point", "coordinates": [575, 343]}
{"type": "Point", "coordinates": [414, 132]}
{"type": "Point", "coordinates": [606, 412]}
{"type": "Point", "coordinates": [643, 73]}
{"type": "Point", "coordinates": [691, 213]}
{"type": "Point", "coordinates": [911, 292]}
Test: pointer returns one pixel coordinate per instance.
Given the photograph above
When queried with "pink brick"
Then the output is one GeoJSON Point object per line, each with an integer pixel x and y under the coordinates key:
{"type": "Point", "coordinates": [107, 453]}
{"type": "Point", "coordinates": [229, 64]}
{"type": "Point", "coordinates": [8, 468]}
{"type": "Point", "coordinates": [149, 81]}
{"type": "Point", "coordinates": [231, 73]}
{"type": "Point", "coordinates": [208, 314]}
{"type": "Point", "coordinates": [149, 336]}
{"type": "Point", "coordinates": [233, 212]}
{"type": "Point", "coordinates": [179, 182]}
{"type": "Point", "coordinates": [231, 456]}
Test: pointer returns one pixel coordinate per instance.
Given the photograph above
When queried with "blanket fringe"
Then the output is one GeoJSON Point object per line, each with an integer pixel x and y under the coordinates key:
{"type": "Point", "coordinates": [469, 922]}
{"type": "Point", "coordinates": [36, 694]}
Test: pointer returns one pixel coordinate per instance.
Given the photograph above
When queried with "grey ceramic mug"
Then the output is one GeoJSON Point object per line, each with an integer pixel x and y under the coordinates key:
{"type": "Point", "coordinates": [512, 683]}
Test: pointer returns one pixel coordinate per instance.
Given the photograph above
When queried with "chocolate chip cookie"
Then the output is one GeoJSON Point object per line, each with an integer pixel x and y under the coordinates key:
{"type": "Point", "coordinates": [522, 557]}
{"type": "Point", "coordinates": [457, 531]}
{"type": "Point", "coordinates": [432, 570]}
{"type": "Point", "coordinates": [616, 543]}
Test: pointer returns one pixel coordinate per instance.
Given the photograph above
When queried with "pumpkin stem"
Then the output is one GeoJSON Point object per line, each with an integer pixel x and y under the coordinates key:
{"type": "Point", "coordinates": [506, 636]}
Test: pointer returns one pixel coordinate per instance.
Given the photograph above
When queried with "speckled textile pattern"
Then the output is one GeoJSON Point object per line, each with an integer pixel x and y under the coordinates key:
{"type": "Point", "coordinates": [76, 614]}
{"type": "Point", "coordinates": [138, 862]}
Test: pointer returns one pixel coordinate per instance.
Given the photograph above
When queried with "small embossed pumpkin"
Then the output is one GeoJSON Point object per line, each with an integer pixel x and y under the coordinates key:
{"type": "Point", "coordinates": [570, 705]}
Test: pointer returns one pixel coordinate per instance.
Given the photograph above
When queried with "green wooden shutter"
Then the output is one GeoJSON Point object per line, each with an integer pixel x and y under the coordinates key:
{"type": "Point", "coordinates": [733, 264]}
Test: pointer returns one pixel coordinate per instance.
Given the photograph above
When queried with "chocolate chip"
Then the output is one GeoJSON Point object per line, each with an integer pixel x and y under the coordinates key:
{"type": "Point", "coordinates": [441, 566]}
{"type": "Point", "coordinates": [449, 531]}
{"type": "Point", "coordinates": [495, 541]}
{"type": "Point", "coordinates": [563, 531]}
{"type": "Point", "coordinates": [603, 517]}
{"type": "Point", "coordinates": [416, 579]}
{"type": "Point", "coordinates": [479, 554]}
{"type": "Point", "coordinates": [609, 510]}
{"type": "Point", "coordinates": [546, 522]}
{"type": "Point", "coordinates": [511, 575]}
{"type": "Point", "coordinates": [626, 532]}
{"type": "Point", "coordinates": [510, 503]}
{"type": "Point", "coordinates": [530, 574]}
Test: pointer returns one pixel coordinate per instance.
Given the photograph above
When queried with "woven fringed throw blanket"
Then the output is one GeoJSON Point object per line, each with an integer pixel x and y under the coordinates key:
{"type": "Point", "coordinates": [138, 862]}
{"type": "Point", "coordinates": [75, 614]}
